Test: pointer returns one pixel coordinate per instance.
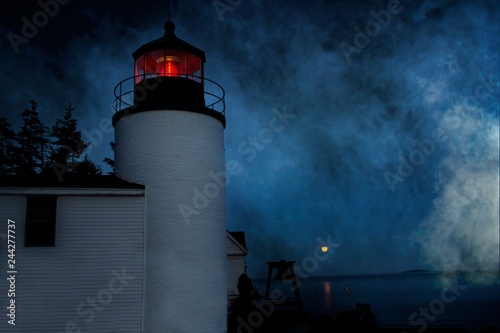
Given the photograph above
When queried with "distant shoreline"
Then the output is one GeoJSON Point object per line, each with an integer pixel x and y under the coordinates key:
{"type": "Point", "coordinates": [408, 272]}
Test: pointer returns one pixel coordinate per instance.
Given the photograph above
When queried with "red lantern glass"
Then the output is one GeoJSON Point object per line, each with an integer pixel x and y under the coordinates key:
{"type": "Point", "coordinates": [171, 63]}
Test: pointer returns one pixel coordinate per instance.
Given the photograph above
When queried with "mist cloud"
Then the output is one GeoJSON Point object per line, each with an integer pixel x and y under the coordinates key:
{"type": "Point", "coordinates": [323, 175]}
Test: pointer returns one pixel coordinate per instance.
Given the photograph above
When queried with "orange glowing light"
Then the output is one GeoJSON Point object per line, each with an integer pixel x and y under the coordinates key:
{"type": "Point", "coordinates": [324, 249]}
{"type": "Point", "coordinates": [171, 65]}
{"type": "Point", "coordinates": [170, 69]}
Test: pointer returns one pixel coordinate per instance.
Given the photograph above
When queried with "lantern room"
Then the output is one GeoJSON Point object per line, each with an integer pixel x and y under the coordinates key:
{"type": "Point", "coordinates": [169, 75]}
{"type": "Point", "coordinates": [168, 56]}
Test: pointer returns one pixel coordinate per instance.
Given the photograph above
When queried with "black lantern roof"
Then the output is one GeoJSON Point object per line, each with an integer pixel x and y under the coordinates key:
{"type": "Point", "coordinates": [169, 42]}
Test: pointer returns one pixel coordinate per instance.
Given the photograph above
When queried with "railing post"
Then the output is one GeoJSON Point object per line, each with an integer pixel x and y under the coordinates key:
{"type": "Point", "coordinates": [120, 97]}
{"type": "Point", "coordinates": [215, 100]}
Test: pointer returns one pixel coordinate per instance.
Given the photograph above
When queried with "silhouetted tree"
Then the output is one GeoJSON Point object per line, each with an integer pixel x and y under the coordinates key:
{"type": "Point", "coordinates": [490, 329]}
{"type": "Point", "coordinates": [44, 144]}
{"type": "Point", "coordinates": [68, 145]}
{"type": "Point", "coordinates": [87, 168]}
{"type": "Point", "coordinates": [359, 319]}
{"type": "Point", "coordinates": [69, 148]}
{"type": "Point", "coordinates": [245, 289]}
{"type": "Point", "coordinates": [110, 161]}
{"type": "Point", "coordinates": [243, 306]}
{"type": "Point", "coordinates": [32, 144]}
{"type": "Point", "coordinates": [32, 151]}
{"type": "Point", "coordinates": [7, 137]}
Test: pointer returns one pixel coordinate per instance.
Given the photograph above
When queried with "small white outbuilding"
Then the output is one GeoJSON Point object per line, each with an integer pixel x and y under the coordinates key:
{"type": "Point", "coordinates": [79, 254]}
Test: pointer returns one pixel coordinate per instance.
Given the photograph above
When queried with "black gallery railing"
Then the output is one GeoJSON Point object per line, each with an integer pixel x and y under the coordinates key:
{"type": "Point", "coordinates": [125, 90]}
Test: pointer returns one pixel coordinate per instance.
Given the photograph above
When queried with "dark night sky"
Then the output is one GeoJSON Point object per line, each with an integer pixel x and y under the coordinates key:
{"type": "Point", "coordinates": [424, 89]}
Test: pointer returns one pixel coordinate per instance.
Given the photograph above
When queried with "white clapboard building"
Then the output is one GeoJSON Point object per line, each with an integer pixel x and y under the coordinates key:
{"type": "Point", "coordinates": [80, 254]}
{"type": "Point", "coordinates": [146, 250]}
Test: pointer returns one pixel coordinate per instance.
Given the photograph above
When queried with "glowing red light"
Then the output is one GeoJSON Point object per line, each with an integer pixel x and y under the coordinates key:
{"type": "Point", "coordinates": [171, 69]}
{"type": "Point", "coordinates": [171, 63]}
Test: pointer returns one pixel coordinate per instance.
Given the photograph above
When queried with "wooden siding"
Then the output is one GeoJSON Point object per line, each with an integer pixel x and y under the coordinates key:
{"type": "Point", "coordinates": [97, 239]}
{"type": "Point", "coordinates": [235, 267]}
{"type": "Point", "coordinates": [233, 249]}
{"type": "Point", "coordinates": [235, 264]}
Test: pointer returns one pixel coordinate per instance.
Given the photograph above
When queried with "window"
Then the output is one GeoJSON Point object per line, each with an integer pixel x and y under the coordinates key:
{"type": "Point", "coordinates": [40, 221]}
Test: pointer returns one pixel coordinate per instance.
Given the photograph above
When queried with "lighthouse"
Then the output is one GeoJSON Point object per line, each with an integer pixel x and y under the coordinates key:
{"type": "Point", "coordinates": [169, 136]}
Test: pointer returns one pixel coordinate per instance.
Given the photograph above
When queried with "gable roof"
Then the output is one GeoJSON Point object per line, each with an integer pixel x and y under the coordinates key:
{"type": "Point", "coordinates": [237, 249]}
{"type": "Point", "coordinates": [239, 236]}
{"type": "Point", "coordinates": [68, 181]}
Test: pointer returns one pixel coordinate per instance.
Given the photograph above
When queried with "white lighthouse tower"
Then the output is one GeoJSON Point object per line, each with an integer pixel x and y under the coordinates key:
{"type": "Point", "coordinates": [170, 137]}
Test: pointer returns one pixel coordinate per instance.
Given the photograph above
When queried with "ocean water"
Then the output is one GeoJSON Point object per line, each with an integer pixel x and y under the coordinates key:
{"type": "Point", "coordinates": [466, 300]}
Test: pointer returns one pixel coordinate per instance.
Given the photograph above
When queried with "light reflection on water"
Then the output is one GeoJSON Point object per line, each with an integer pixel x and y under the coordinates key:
{"type": "Point", "coordinates": [394, 297]}
{"type": "Point", "coordinates": [328, 296]}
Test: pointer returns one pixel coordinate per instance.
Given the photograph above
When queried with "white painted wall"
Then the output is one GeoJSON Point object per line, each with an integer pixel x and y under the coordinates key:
{"type": "Point", "coordinates": [235, 264]}
{"type": "Point", "coordinates": [235, 267]}
{"type": "Point", "coordinates": [172, 153]}
{"type": "Point", "coordinates": [94, 236]}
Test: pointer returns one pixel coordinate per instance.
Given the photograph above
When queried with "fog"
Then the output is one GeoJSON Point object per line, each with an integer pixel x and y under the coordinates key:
{"type": "Point", "coordinates": [391, 145]}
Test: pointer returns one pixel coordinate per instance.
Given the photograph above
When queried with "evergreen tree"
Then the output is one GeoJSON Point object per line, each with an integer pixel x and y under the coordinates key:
{"type": "Point", "coordinates": [31, 152]}
{"type": "Point", "coordinates": [44, 144]}
{"type": "Point", "coordinates": [68, 144]}
{"type": "Point", "coordinates": [7, 137]}
{"type": "Point", "coordinates": [69, 147]}
{"type": "Point", "coordinates": [110, 161]}
{"type": "Point", "coordinates": [87, 168]}
{"type": "Point", "coordinates": [32, 144]}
